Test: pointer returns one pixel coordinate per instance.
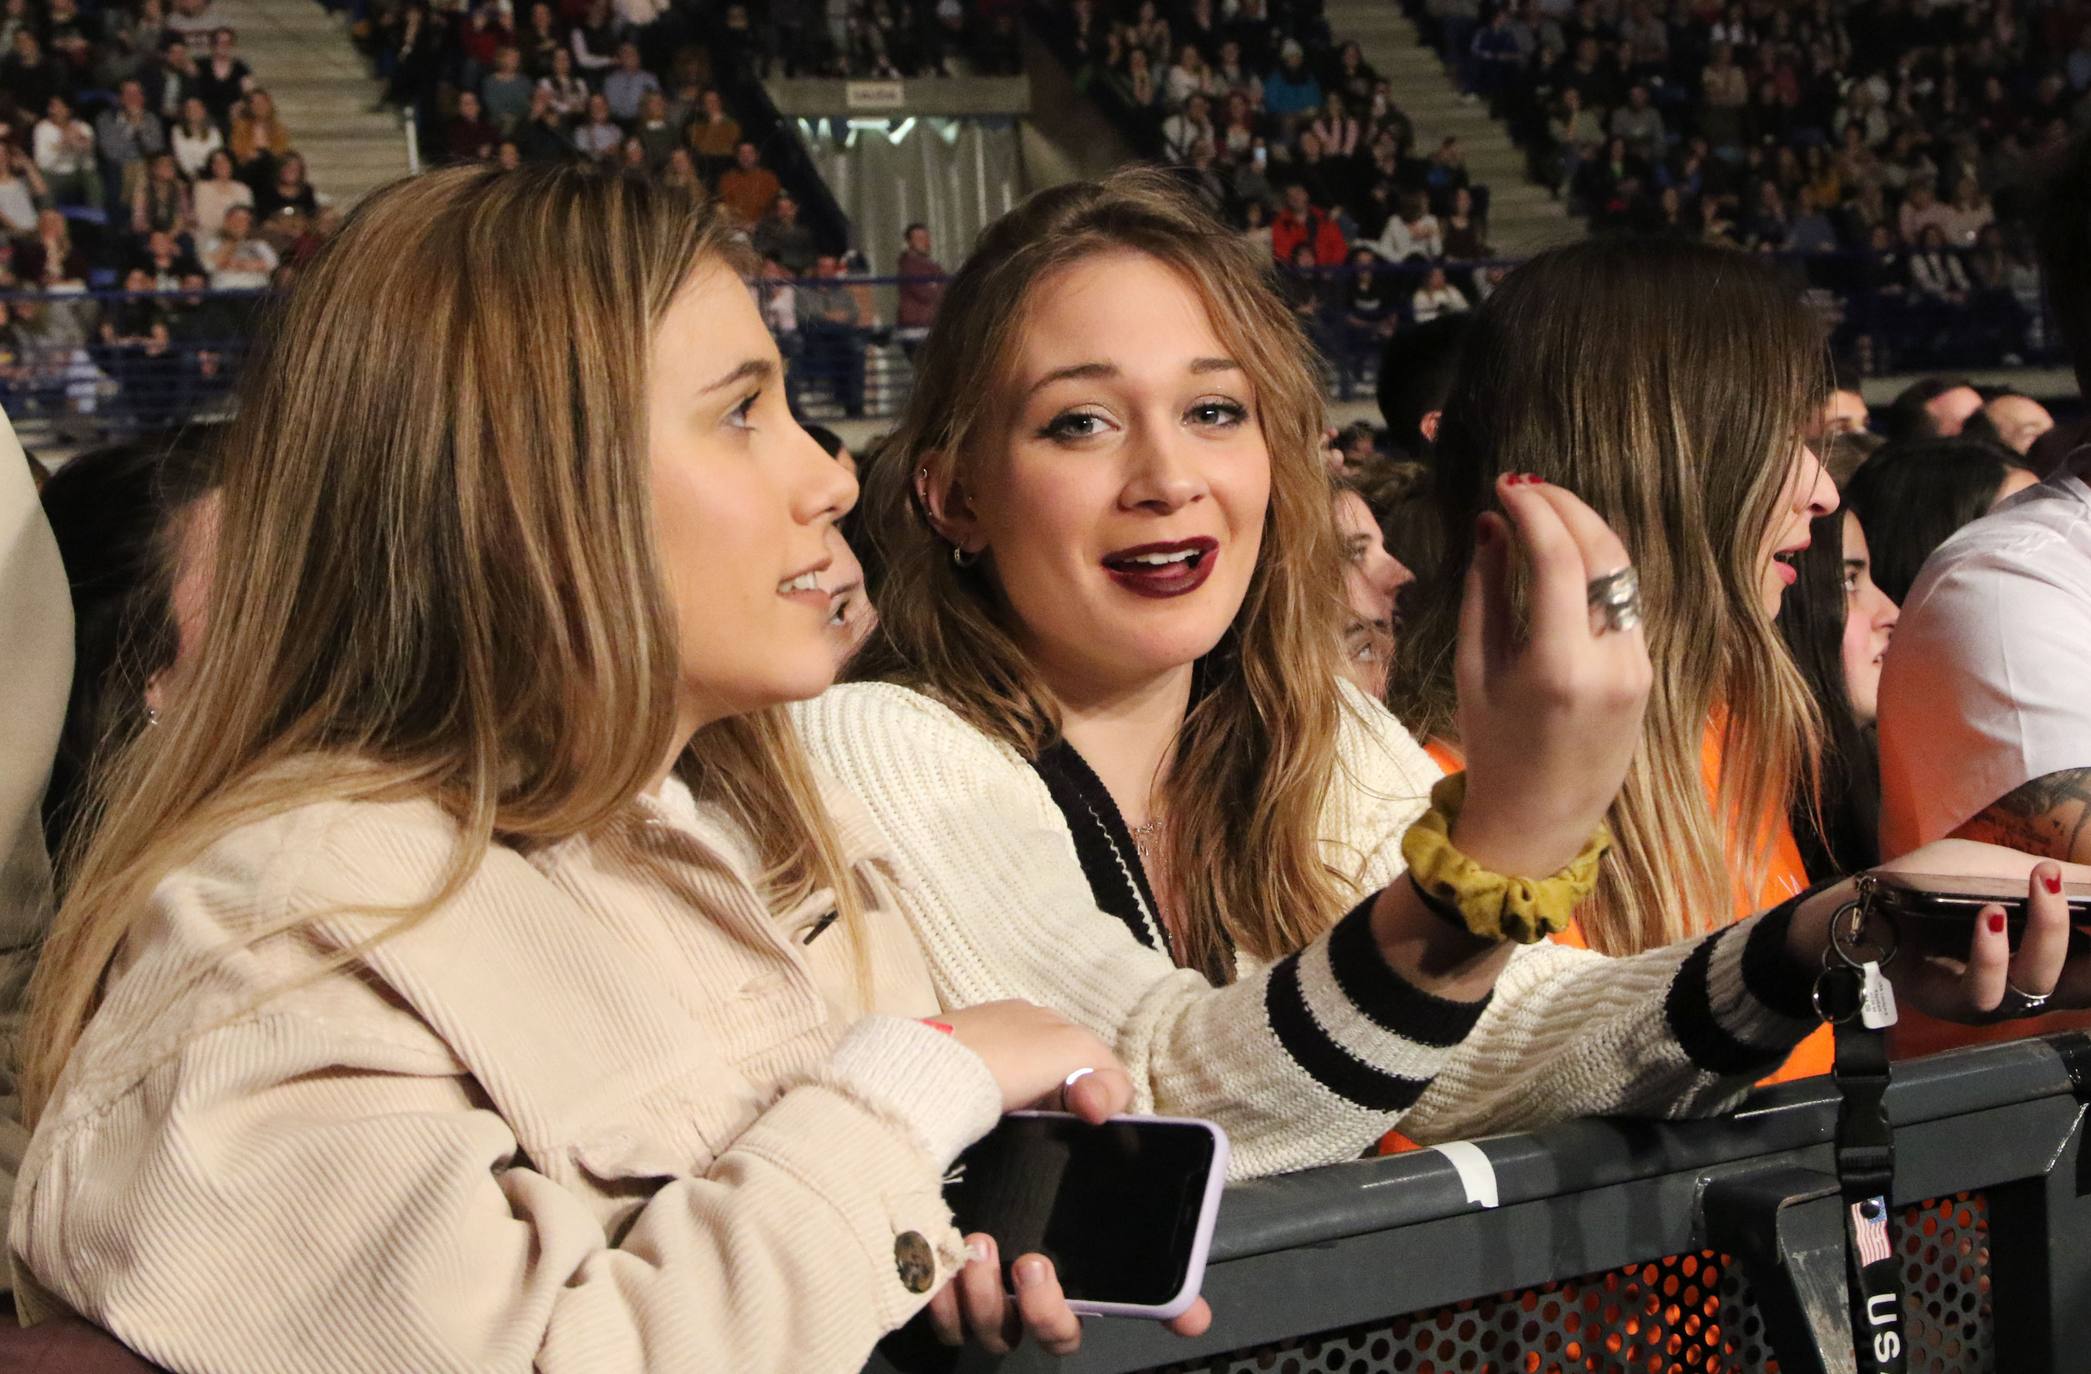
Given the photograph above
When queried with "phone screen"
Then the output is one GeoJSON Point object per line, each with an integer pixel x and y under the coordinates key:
{"type": "Point", "coordinates": [1115, 1207]}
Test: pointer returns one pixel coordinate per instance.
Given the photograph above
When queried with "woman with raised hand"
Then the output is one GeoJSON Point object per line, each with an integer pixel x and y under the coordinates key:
{"type": "Point", "coordinates": [1684, 430]}
{"type": "Point", "coordinates": [1103, 729]}
{"type": "Point", "coordinates": [468, 972]}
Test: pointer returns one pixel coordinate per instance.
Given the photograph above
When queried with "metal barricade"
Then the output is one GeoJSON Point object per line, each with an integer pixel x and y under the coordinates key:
{"type": "Point", "coordinates": [1652, 1248]}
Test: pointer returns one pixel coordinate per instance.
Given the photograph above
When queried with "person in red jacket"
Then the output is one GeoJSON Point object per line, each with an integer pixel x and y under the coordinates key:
{"type": "Point", "coordinates": [1301, 222]}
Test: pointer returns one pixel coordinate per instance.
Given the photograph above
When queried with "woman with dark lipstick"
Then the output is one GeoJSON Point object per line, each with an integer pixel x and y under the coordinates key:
{"type": "Point", "coordinates": [1103, 729]}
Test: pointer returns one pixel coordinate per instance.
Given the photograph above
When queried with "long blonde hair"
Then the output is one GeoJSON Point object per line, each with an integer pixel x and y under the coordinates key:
{"type": "Point", "coordinates": [1667, 384]}
{"type": "Point", "coordinates": [1257, 751]}
{"type": "Point", "coordinates": [435, 573]}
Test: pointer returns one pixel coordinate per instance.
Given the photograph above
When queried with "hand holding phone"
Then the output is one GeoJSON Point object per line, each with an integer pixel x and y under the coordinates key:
{"type": "Point", "coordinates": [1039, 1060]}
{"type": "Point", "coordinates": [1124, 1209]}
{"type": "Point", "coordinates": [2001, 939]}
{"type": "Point", "coordinates": [1941, 909]}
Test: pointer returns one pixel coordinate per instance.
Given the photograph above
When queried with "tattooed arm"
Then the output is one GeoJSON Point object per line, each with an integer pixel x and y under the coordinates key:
{"type": "Point", "coordinates": [2050, 816]}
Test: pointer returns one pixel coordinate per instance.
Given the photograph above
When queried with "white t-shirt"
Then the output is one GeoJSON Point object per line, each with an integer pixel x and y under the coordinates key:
{"type": "Point", "coordinates": [1987, 683]}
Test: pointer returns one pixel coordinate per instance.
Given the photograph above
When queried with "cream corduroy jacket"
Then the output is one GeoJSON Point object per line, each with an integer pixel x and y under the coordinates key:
{"type": "Point", "coordinates": [1309, 1060]}
{"type": "Point", "coordinates": [603, 1112]}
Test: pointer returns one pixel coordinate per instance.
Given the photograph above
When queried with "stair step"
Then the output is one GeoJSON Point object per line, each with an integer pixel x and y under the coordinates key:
{"type": "Point", "coordinates": [324, 88]}
{"type": "Point", "coordinates": [354, 112]}
{"type": "Point", "coordinates": [1523, 217]}
{"type": "Point", "coordinates": [325, 93]}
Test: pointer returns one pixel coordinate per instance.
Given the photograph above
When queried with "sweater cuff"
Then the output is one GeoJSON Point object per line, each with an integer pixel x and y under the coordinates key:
{"type": "Point", "coordinates": [1770, 974]}
{"type": "Point", "coordinates": [921, 1077]}
{"type": "Point", "coordinates": [1738, 1004]}
{"type": "Point", "coordinates": [1356, 1026]}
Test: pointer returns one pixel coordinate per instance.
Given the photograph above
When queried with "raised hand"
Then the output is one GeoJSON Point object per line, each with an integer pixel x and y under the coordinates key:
{"type": "Point", "coordinates": [1550, 708]}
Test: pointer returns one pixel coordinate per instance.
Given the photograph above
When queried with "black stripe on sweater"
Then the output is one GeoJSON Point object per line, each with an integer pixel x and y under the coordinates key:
{"type": "Point", "coordinates": [1769, 974]}
{"type": "Point", "coordinates": [1390, 1001]}
{"type": "Point", "coordinates": [1333, 1065]}
{"type": "Point", "coordinates": [1328, 1063]}
{"type": "Point", "coordinates": [1699, 1032]}
{"type": "Point", "coordinates": [1087, 807]}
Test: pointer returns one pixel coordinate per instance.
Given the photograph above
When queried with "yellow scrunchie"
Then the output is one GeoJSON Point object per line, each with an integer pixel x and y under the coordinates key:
{"type": "Point", "coordinates": [1494, 907]}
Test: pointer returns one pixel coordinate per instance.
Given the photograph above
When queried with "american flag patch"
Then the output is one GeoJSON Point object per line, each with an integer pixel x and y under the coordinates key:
{"type": "Point", "coordinates": [1871, 1233]}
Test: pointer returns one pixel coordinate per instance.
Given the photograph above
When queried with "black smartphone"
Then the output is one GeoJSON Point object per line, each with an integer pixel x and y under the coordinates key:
{"type": "Point", "coordinates": [1935, 900]}
{"type": "Point", "coordinates": [1124, 1209]}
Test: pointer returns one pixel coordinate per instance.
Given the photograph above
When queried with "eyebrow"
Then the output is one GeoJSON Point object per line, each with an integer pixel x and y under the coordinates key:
{"type": "Point", "coordinates": [753, 367]}
{"type": "Point", "coordinates": [1090, 371]}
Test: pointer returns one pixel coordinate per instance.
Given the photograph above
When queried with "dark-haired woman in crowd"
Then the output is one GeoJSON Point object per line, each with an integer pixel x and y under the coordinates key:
{"type": "Point", "coordinates": [1836, 621]}
{"type": "Point", "coordinates": [289, 189]}
{"type": "Point", "coordinates": [133, 530]}
{"type": "Point", "coordinates": [469, 972]}
{"type": "Point", "coordinates": [1103, 726]}
{"type": "Point", "coordinates": [1911, 495]}
{"type": "Point", "coordinates": [218, 191]}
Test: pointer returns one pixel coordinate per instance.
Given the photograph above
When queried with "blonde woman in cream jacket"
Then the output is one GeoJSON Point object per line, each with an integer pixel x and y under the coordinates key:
{"type": "Point", "coordinates": [469, 973]}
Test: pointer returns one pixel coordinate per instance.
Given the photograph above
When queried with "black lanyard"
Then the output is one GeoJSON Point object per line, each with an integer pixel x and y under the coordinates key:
{"type": "Point", "coordinates": [1854, 997]}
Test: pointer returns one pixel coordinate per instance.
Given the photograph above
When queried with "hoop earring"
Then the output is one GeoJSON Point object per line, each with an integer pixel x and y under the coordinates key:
{"type": "Point", "coordinates": [961, 559]}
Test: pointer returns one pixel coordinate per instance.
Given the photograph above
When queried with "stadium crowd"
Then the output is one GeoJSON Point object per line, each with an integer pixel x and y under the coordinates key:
{"type": "Point", "coordinates": [140, 159]}
{"type": "Point", "coordinates": [1254, 102]}
{"type": "Point", "coordinates": [1899, 139]}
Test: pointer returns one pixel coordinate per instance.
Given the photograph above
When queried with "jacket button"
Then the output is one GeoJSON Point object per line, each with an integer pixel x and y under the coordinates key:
{"type": "Point", "coordinates": [914, 1262]}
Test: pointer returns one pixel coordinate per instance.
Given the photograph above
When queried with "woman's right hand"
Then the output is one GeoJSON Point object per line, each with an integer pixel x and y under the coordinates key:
{"type": "Point", "coordinates": [1549, 712]}
{"type": "Point", "coordinates": [1033, 1053]}
{"type": "Point", "coordinates": [1040, 1059]}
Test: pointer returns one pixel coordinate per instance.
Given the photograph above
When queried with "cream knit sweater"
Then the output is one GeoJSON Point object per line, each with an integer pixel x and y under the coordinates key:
{"type": "Point", "coordinates": [601, 1112]}
{"type": "Point", "coordinates": [1310, 1060]}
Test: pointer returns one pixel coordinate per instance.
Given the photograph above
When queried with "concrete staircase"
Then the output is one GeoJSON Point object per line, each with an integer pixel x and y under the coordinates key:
{"type": "Point", "coordinates": [1523, 218]}
{"type": "Point", "coordinates": [302, 56]}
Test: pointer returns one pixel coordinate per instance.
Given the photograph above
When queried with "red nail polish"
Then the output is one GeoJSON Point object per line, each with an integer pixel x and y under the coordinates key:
{"type": "Point", "coordinates": [1996, 922]}
{"type": "Point", "coordinates": [1484, 534]}
{"type": "Point", "coordinates": [1535, 479]}
{"type": "Point", "coordinates": [2051, 881]}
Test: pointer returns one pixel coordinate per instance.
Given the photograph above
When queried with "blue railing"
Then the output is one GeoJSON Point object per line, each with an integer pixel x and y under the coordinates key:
{"type": "Point", "coordinates": [78, 381]}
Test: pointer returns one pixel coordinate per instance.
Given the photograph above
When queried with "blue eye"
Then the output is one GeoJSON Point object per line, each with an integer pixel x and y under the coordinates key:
{"type": "Point", "coordinates": [738, 417]}
{"type": "Point", "coordinates": [1074, 424]}
{"type": "Point", "coordinates": [1222, 414]}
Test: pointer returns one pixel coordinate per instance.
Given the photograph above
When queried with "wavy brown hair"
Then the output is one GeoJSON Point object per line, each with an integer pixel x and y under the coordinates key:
{"type": "Point", "coordinates": [1257, 751]}
{"type": "Point", "coordinates": [1667, 384]}
{"type": "Point", "coordinates": [435, 573]}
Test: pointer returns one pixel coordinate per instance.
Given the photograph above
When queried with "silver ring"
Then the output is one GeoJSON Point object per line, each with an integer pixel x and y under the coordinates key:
{"type": "Point", "coordinates": [2017, 1003]}
{"type": "Point", "coordinates": [1615, 601]}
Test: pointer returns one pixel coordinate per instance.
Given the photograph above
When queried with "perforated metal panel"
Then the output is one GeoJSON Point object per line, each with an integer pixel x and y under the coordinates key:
{"type": "Point", "coordinates": [1683, 1314]}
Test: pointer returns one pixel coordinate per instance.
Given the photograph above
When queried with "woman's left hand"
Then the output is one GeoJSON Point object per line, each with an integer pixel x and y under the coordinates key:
{"type": "Point", "coordinates": [974, 1303]}
{"type": "Point", "coordinates": [1982, 979]}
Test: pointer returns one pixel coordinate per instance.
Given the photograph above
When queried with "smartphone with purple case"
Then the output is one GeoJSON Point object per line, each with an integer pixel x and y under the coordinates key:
{"type": "Point", "coordinates": [1124, 1209]}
